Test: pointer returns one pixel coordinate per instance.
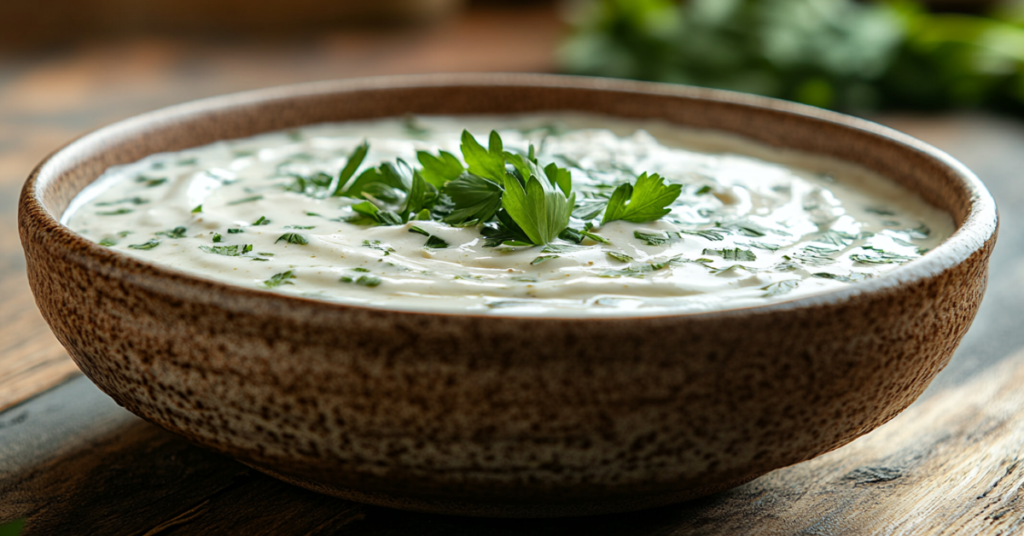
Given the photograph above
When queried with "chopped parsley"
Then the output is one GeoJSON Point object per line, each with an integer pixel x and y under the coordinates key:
{"type": "Point", "coordinates": [177, 232]}
{"type": "Point", "coordinates": [131, 200]}
{"type": "Point", "coordinates": [735, 254]}
{"type": "Point", "coordinates": [249, 199]}
{"type": "Point", "coordinates": [652, 238]}
{"type": "Point", "coordinates": [379, 246]}
{"type": "Point", "coordinates": [235, 231]}
{"type": "Point", "coordinates": [262, 220]}
{"type": "Point", "coordinates": [217, 237]}
{"type": "Point", "coordinates": [149, 244]}
{"type": "Point", "coordinates": [277, 280]}
{"type": "Point", "coordinates": [543, 258]}
{"type": "Point", "coordinates": [878, 256]}
{"type": "Point", "coordinates": [780, 287]}
{"type": "Point", "coordinates": [292, 238]}
{"type": "Point", "coordinates": [621, 257]}
{"type": "Point", "coordinates": [150, 182]}
{"type": "Point", "coordinates": [198, 209]}
{"type": "Point", "coordinates": [364, 280]}
{"type": "Point", "coordinates": [234, 250]}
{"type": "Point", "coordinates": [117, 212]}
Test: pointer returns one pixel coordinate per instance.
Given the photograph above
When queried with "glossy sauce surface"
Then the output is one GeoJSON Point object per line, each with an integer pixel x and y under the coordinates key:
{"type": "Point", "coordinates": [754, 224]}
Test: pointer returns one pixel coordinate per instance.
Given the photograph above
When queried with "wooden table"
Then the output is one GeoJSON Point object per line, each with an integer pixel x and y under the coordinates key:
{"type": "Point", "coordinates": [73, 462]}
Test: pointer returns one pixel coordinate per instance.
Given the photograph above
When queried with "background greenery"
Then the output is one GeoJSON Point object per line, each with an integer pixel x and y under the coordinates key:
{"type": "Point", "coordinates": [840, 54]}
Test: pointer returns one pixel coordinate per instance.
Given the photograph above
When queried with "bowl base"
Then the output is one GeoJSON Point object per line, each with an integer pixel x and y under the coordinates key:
{"type": "Point", "coordinates": [516, 509]}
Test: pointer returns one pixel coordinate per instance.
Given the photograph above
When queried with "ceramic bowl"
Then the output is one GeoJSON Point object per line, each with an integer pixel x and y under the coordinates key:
{"type": "Point", "coordinates": [492, 415]}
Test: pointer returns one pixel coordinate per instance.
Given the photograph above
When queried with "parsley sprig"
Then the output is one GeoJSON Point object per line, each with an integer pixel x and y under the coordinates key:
{"type": "Point", "coordinates": [515, 199]}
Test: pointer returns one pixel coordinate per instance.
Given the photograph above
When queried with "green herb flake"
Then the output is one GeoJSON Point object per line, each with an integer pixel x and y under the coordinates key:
{"type": "Point", "coordinates": [852, 278]}
{"type": "Point", "coordinates": [176, 233]}
{"type": "Point", "coordinates": [379, 246]}
{"type": "Point", "coordinates": [150, 182]}
{"type": "Point", "coordinates": [780, 287]}
{"type": "Point", "coordinates": [227, 251]}
{"type": "Point", "coordinates": [149, 244]}
{"type": "Point", "coordinates": [235, 231]}
{"type": "Point", "coordinates": [302, 227]}
{"type": "Point", "coordinates": [543, 259]}
{"type": "Point", "coordinates": [364, 280]}
{"type": "Point", "coordinates": [293, 238]}
{"type": "Point", "coordinates": [131, 200]}
{"type": "Point", "coordinates": [652, 238]}
{"type": "Point", "coordinates": [198, 209]}
{"type": "Point", "coordinates": [108, 242]}
{"type": "Point", "coordinates": [249, 199]}
{"type": "Point", "coordinates": [621, 257]}
{"type": "Point", "coordinates": [436, 242]}
{"type": "Point", "coordinates": [117, 212]}
{"type": "Point", "coordinates": [713, 235]}
{"type": "Point", "coordinates": [735, 254]}
{"type": "Point", "coordinates": [276, 280]}
{"type": "Point", "coordinates": [217, 237]}
{"type": "Point", "coordinates": [262, 220]}
{"type": "Point", "coordinates": [636, 271]}
{"type": "Point", "coordinates": [596, 238]}
{"type": "Point", "coordinates": [878, 256]}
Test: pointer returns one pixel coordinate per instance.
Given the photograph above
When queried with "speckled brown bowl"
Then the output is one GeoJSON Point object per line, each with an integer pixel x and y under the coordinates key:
{"type": "Point", "coordinates": [491, 415]}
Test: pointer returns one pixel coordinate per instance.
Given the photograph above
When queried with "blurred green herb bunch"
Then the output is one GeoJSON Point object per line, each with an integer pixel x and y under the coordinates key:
{"type": "Point", "coordinates": [841, 54]}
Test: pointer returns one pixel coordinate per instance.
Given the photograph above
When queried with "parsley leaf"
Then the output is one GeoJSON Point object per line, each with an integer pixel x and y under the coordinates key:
{"type": "Point", "coordinates": [277, 280]}
{"type": "Point", "coordinates": [149, 244]}
{"type": "Point", "coordinates": [433, 241]}
{"type": "Point", "coordinates": [227, 251]}
{"type": "Point", "coordinates": [488, 163]}
{"type": "Point", "coordinates": [878, 256]}
{"type": "Point", "coordinates": [177, 232]}
{"type": "Point", "coordinates": [293, 238]}
{"type": "Point", "coordinates": [780, 287]}
{"type": "Point", "coordinates": [735, 254]}
{"type": "Point", "coordinates": [379, 246]}
{"type": "Point", "coordinates": [249, 199]}
{"type": "Point", "coordinates": [655, 238]}
{"type": "Point", "coordinates": [438, 170]}
{"type": "Point", "coordinates": [541, 210]}
{"type": "Point", "coordinates": [621, 257]}
{"type": "Point", "coordinates": [262, 220]}
{"type": "Point", "coordinates": [543, 258]}
{"type": "Point", "coordinates": [646, 201]}
{"type": "Point", "coordinates": [474, 198]}
{"type": "Point", "coordinates": [368, 211]}
{"type": "Point", "coordinates": [355, 159]}
{"type": "Point", "coordinates": [364, 280]}
{"type": "Point", "coordinates": [506, 232]}
{"type": "Point", "coordinates": [117, 212]}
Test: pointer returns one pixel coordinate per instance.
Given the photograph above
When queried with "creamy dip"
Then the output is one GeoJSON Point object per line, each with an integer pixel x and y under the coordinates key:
{"type": "Point", "coordinates": [753, 224]}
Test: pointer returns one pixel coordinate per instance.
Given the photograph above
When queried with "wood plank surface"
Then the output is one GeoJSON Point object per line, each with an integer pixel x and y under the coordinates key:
{"type": "Point", "coordinates": [73, 462]}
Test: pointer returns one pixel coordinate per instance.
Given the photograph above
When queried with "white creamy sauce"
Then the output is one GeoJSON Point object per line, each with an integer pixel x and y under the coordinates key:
{"type": "Point", "coordinates": [754, 224]}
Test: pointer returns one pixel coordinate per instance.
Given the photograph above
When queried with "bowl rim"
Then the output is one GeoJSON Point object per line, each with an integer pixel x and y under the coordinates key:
{"type": "Point", "coordinates": [977, 229]}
